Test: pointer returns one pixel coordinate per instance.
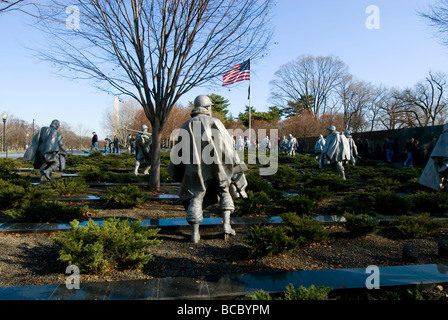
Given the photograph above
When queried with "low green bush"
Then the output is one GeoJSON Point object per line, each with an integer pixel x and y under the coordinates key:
{"type": "Point", "coordinates": [258, 295]}
{"type": "Point", "coordinates": [381, 184]}
{"type": "Point", "coordinates": [91, 173]}
{"type": "Point", "coordinates": [52, 211]}
{"type": "Point", "coordinates": [417, 226]}
{"type": "Point", "coordinates": [390, 203]}
{"type": "Point", "coordinates": [400, 174]}
{"type": "Point", "coordinates": [404, 293]}
{"type": "Point", "coordinates": [95, 154]}
{"type": "Point", "coordinates": [311, 293]}
{"type": "Point", "coordinates": [433, 202]}
{"type": "Point", "coordinates": [38, 195]}
{"type": "Point", "coordinates": [72, 161]}
{"type": "Point", "coordinates": [115, 244]}
{"type": "Point", "coordinates": [299, 160]}
{"type": "Point", "coordinates": [300, 204]}
{"type": "Point", "coordinates": [357, 202]}
{"type": "Point", "coordinates": [330, 180]}
{"type": "Point", "coordinates": [317, 193]}
{"type": "Point", "coordinates": [367, 173]}
{"type": "Point", "coordinates": [256, 203]}
{"type": "Point", "coordinates": [11, 195]}
{"type": "Point", "coordinates": [269, 241]}
{"type": "Point", "coordinates": [361, 225]}
{"type": "Point", "coordinates": [304, 229]}
{"type": "Point", "coordinates": [69, 186]}
{"type": "Point", "coordinates": [102, 161]}
{"type": "Point", "coordinates": [373, 203]}
{"type": "Point", "coordinates": [16, 195]}
{"type": "Point", "coordinates": [302, 293]}
{"type": "Point", "coordinates": [7, 164]}
{"type": "Point", "coordinates": [285, 178]}
{"type": "Point", "coordinates": [126, 196]}
{"type": "Point", "coordinates": [257, 183]}
{"type": "Point", "coordinates": [116, 177]}
{"type": "Point", "coordinates": [164, 176]}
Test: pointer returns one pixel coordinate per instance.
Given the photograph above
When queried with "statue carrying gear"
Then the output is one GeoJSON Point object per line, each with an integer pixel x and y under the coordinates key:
{"type": "Point", "coordinates": [435, 174]}
{"type": "Point", "coordinates": [352, 147]}
{"type": "Point", "coordinates": [284, 145]}
{"type": "Point", "coordinates": [48, 151]}
{"type": "Point", "coordinates": [265, 144]}
{"type": "Point", "coordinates": [336, 150]}
{"type": "Point", "coordinates": [143, 143]}
{"type": "Point", "coordinates": [206, 179]}
{"type": "Point", "coordinates": [291, 145]}
{"type": "Point", "coordinates": [318, 148]}
{"type": "Point", "coordinates": [239, 144]}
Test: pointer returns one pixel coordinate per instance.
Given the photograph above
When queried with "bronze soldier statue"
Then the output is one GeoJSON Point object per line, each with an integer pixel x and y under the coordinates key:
{"type": "Point", "coordinates": [48, 151]}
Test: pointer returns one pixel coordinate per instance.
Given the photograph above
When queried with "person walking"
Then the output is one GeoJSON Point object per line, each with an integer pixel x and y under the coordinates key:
{"type": "Point", "coordinates": [116, 141]}
{"type": "Point", "coordinates": [416, 152]}
{"type": "Point", "coordinates": [108, 142]}
{"type": "Point", "coordinates": [132, 143]}
{"type": "Point", "coordinates": [409, 149]}
{"type": "Point", "coordinates": [390, 147]}
{"type": "Point", "coordinates": [128, 142]}
{"type": "Point", "coordinates": [94, 142]}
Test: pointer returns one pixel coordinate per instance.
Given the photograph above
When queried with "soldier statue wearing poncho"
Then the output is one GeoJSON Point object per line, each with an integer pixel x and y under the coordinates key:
{"type": "Point", "coordinates": [435, 174]}
{"type": "Point", "coordinates": [143, 143]}
{"type": "Point", "coordinates": [208, 167]}
{"type": "Point", "coordinates": [47, 150]}
{"type": "Point", "coordinates": [336, 151]}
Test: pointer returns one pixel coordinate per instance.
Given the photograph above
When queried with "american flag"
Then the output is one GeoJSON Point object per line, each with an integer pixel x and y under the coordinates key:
{"type": "Point", "coordinates": [239, 72]}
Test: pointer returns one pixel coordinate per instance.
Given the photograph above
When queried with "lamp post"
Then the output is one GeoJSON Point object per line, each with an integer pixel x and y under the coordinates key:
{"type": "Point", "coordinates": [4, 117]}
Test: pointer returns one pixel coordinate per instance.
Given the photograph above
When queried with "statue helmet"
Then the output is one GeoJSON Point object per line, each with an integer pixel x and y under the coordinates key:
{"type": "Point", "coordinates": [55, 124]}
{"type": "Point", "coordinates": [202, 101]}
{"type": "Point", "coordinates": [331, 128]}
{"type": "Point", "coordinates": [144, 127]}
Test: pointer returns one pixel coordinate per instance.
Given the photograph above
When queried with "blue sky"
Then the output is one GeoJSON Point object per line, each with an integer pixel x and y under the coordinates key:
{"type": "Point", "coordinates": [398, 54]}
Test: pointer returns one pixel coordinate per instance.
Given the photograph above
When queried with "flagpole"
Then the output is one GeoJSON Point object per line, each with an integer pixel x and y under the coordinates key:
{"type": "Point", "coordinates": [250, 107]}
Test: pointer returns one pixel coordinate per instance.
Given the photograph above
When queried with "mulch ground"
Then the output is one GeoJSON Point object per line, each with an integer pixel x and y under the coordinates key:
{"type": "Point", "coordinates": [32, 259]}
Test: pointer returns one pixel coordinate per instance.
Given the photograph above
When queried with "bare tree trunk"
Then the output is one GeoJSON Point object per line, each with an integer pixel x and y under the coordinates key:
{"type": "Point", "coordinates": [154, 177]}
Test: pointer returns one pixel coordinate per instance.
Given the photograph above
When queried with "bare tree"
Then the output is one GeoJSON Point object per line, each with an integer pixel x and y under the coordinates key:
{"type": "Point", "coordinates": [354, 96]}
{"type": "Point", "coordinates": [9, 5]}
{"type": "Point", "coordinates": [307, 82]}
{"type": "Point", "coordinates": [28, 7]}
{"type": "Point", "coordinates": [391, 110]}
{"type": "Point", "coordinates": [127, 112]}
{"type": "Point", "coordinates": [437, 17]}
{"type": "Point", "coordinates": [83, 136]}
{"type": "Point", "coordinates": [426, 102]}
{"type": "Point", "coordinates": [307, 125]}
{"type": "Point", "coordinates": [361, 103]}
{"type": "Point", "coordinates": [156, 50]}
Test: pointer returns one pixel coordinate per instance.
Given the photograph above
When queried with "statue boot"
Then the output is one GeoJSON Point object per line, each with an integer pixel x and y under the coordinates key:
{"type": "Point", "coordinates": [146, 171]}
{"type": "Point", "coordinates": [45, 175]}
{"type": "Point", "coordinates": [340, 170]}
{"type": "Point", "coordinates": [136, 166]}
{"type": "Point", "coordinates": [195, 236]}
{"type": "Point", "coordinates": [227, 229]}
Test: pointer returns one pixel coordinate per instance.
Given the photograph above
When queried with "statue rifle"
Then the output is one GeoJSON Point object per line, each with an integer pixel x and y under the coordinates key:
{"type": "Point", "coordinates": [138, 131]}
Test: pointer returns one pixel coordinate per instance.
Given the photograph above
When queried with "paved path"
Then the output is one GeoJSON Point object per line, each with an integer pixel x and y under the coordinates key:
{"type": "Point", "coordinates": [231, 286]}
